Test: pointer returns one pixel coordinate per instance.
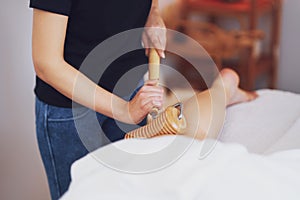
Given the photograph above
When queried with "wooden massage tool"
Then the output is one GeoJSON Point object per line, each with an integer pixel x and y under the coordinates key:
{"type": "Point", "coordinates": [169, 122]}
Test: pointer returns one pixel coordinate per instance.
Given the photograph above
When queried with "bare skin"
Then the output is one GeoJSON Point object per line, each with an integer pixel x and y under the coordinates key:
{"type": "Point", "coordinates": [205, 111]}
{"type": "Point", "coordinates": [235, 94]}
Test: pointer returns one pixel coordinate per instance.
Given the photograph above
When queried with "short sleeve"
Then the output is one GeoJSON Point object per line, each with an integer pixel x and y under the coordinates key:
{"type": "Point", "coordinates": [62, 7]}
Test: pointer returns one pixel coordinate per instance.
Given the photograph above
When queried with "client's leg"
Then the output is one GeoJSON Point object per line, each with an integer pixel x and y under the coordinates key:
{"type": "Point", "coordinates": [205, 112]}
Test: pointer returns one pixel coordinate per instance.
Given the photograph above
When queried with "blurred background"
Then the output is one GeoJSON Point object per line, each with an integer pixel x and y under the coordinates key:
{"type": "Point", "coordinates": [259, 38]}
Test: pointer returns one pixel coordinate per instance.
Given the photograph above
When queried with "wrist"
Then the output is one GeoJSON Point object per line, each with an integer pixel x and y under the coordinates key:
{"type": "Point", "coordinates": [154, 11]}
{"type": "Point", "coordinates": [123, 113]}
{"type": "Point", "coordinates": [120, 112]}
{"type": "Point", "coordinates": [112, 106]}
{"type": "Point", "coordinates": [154, 6]}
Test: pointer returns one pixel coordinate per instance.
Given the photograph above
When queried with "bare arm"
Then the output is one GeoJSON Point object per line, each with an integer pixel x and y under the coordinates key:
{"type": "Point", "coordinates": [155, 32]}
{"type": "Point", "coordinates": [49, 31]}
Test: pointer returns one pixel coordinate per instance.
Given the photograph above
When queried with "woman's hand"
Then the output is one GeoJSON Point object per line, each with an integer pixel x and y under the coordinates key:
{"type": "Point", "coordinates": [149, 96]}
{"type": "Point", "coordinates": [154, 35]}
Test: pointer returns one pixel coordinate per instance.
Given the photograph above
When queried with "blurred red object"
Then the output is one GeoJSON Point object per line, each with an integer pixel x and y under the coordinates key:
{"type": "Point", "coordinates": [252, 62]}
{"type": "Point", "coordinates": [225, 6]}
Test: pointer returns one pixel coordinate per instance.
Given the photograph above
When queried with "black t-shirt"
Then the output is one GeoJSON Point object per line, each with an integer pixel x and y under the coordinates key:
{"type": "Point", "coordinates": [91, 22]}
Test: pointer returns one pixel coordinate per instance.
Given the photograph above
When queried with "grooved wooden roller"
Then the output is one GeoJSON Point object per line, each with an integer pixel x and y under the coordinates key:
{"type": "Point", "coordinates": [154, 62]}
{"type": "Point", "coordinates": [169, 122]}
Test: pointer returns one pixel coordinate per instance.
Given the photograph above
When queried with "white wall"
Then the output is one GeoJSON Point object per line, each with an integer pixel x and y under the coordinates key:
{"type": "Point", "coordinates": [289, 67]}
{"type": "Point", "coordinates": [21, 170]}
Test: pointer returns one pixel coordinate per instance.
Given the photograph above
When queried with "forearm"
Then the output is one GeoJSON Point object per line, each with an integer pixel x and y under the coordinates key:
{"type": "Point", "coordinates": [48, 38]}
{"type": "Point", "coordinates": [76, 86]}
{"type": "Point", "coordinates": [155, 5]}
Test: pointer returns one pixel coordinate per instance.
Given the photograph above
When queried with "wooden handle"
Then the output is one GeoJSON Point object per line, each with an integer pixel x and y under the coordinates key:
{"type": "Point", "coordinates": [154, 62]}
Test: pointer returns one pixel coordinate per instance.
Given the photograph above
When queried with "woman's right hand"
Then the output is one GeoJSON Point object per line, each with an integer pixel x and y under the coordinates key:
{"type": "Point", "coordinates": [149, 96]}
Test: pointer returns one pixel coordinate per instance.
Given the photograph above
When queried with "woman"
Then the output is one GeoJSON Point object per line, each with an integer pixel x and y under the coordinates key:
{"type": "Point", "coordinates": [64, 32]}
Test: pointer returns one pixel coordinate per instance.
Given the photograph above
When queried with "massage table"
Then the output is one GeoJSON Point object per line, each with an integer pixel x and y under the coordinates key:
{"type": "Point", "coordinates": [257, 156]}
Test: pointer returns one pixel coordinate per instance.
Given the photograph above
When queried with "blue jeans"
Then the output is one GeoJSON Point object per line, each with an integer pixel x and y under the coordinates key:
{"type": "Point", "coordinates": [60, 141]}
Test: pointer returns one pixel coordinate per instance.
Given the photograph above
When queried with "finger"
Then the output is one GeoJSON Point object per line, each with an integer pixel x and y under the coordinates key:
{"type": "Point", "coordinates": [154, 100]}
{"type": "Point", "coordinates": [146, 43]}
{"type": "Point", "coordinates": [158, 105]}
{"type": "Point", "coordinates": [152, 89]}
{"type": "Point", "coordinates": [146, 105]}
{"type": "Point", "coordinates": [159, 46]}
{"type": "Point", "coordinates": [155, 42]}
{"type": "Point", "coordinates": [161, 53]}
{"type": "Point", "coordinates": [157, 37]}
{"type": "Point", "coordinates": [153, 96]}
{"type": "Point", "coordinates": [149, 95]}
{"type": "Point", "coordinates": [163, 40]}
{"type": "Point", "coordinates": [145, 40]}
{"type": "Point", "coordinates": [150, 92]}
{"type": "Point", "coordinates": [150, 103]}
{"type": "Point", "coordinates": [151, 82]}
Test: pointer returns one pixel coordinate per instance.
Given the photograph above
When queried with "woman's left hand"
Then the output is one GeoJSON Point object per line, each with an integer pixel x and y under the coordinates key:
{"type": "Point", "coordinates": [154, 35]}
